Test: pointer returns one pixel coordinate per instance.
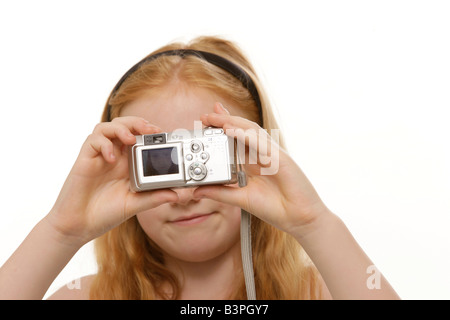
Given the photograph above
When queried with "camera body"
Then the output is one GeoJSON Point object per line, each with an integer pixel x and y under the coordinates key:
{"type": "Point", "coordinates": [182, 159]}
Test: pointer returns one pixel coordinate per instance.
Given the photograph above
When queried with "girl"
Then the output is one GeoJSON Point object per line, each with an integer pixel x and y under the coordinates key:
{"type": "Point", "coordinates": [184, 243]}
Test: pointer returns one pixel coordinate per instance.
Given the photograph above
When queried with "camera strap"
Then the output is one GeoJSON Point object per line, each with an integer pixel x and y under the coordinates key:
{"type": "Point", "coordinates": [246, 236]}
{"type": "Point", "coordinates": [246, 252]}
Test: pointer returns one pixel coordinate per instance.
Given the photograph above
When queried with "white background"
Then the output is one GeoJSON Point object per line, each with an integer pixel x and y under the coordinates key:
{"type": "Point", "coordinates": [361, 89]}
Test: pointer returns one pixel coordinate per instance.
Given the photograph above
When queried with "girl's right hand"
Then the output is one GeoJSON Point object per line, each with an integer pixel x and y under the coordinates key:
{"type": "Point", "coordinates": [96, 195]}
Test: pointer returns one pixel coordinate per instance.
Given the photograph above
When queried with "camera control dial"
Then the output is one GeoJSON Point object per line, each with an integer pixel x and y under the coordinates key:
{"type": "Point", "coordinates": [197, 171]}
{"type": "Point", "coordinates": [196, 146]}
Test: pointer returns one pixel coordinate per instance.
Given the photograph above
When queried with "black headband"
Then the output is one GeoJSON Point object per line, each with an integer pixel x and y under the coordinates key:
{"type": "Point", "coordinates": [214, 59]}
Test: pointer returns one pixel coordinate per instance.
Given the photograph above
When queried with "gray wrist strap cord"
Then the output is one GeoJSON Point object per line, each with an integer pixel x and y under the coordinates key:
{"type": "Point", "coordinates": [246, 251]}
{"type": "Point", "coordinates": [246, 244]}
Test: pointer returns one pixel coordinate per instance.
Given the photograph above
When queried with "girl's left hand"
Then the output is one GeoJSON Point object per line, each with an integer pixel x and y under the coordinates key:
{"type": "Point", "coordinates": [284, 198]}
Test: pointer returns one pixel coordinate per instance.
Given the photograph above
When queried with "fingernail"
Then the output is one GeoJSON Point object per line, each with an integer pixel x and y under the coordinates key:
{"type": "Point", "coordinates": [222, 107]}
{"type": "Point", "coordinates": [149, 125]}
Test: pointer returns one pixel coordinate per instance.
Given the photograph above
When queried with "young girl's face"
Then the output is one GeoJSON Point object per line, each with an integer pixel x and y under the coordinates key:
{"type": "Point", "coordinates": [191, 229]}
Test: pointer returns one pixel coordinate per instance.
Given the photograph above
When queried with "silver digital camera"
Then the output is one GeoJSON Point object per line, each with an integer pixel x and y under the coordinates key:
{"type": "Point", "coordinates": [182, 159]}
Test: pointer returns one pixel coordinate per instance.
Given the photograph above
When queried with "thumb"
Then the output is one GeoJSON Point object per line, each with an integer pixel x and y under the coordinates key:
{"type": "Point", "coordinates": [141, 201]}
{"type": "Point", "coordinates": [226, 194]}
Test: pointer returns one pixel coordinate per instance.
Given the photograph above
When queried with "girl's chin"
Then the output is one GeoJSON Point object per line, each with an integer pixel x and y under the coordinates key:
{"type": "Point", "coordinates": [201, 248]}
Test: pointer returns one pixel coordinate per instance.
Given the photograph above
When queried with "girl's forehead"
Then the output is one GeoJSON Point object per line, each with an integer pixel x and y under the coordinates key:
{"type": "Point", "coordinates": [172, 109]}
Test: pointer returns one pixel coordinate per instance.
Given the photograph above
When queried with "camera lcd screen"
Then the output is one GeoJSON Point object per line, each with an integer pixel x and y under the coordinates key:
{"type": "Point", "coordinates": [160, 161]}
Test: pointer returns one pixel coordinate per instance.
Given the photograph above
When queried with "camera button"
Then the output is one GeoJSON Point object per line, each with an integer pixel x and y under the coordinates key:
{"type": "Point", "coordinates": [189, 157]}
{"type": "Point", "coordinates": [208, 132]}
{"type": "Point", "coordinates": [196, 146]}
{"type": "Point", "coordinates": [204, 156]}
{"type": "Point", "coordinates": [197, 171]}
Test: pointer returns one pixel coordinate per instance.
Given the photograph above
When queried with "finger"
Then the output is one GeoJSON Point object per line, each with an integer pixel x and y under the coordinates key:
{"type": "Point", "coordinates": [137, 125]}
{"type": "Point", "coordinates": [260, 147]}
{"type": "Point", "coordinates": [98, 144]}
{"type": "Point", "coordinates": [246, 132]}
{"type": "Point", "coordinates": [230, 195]}
{"type": "Point", "coordinates": [242, 129]}
{"type": "Point", "coordinates": [255, 145]}
{"type": "Point", "coordinates": [227, 121]}
{"type": "Point", "coordinates": [125, 130]}
{"type": "Point", "coordinates": [113, 131]}
{"type": "Point", "coordinates": [219, 108]}
{"type": "Point", "coordinates": [141, 201]}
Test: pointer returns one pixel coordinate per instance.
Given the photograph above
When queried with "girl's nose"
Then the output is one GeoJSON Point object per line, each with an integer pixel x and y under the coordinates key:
{"type": "Point", "coordinates": [185, 195]}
